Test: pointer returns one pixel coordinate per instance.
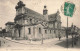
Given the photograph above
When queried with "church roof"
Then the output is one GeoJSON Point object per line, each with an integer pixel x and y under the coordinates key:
{"type": "Point", "coordinates": [52, 17]}
{"type": "Point", "coordinates": [10, 23]}
{"type": "Point", "coordinates": [34, 14]}
{"type": "Point", "coordinates": [30, 13]}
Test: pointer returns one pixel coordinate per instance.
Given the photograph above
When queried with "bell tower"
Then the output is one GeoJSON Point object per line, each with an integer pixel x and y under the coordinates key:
{"type": "Point", "coordinates": [19, 8]}
{"type": "Point", "coordinates": [45, 13]}
{"type": "Point", "coordinates": [45, 10]}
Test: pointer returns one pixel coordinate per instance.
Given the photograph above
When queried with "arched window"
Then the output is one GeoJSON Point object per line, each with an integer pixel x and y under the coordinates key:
{"type": "Point", "coordinates": [29, 30]}
{"type": "Point", "coordinates": [50, 31]}
{"type": "Point", "coordinates": [40, 30]}
{"type": "Point", "coordinates": [45, 31]}
{"type": "Point", "coordinates": [30, 20]}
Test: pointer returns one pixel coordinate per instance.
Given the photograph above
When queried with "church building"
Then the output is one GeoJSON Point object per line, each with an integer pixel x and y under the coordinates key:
{"type": "Point", "coordinates": [33, 25]}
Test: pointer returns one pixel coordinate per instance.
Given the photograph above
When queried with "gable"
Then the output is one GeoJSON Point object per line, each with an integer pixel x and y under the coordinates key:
{"type": "Point", "coordinates": [52, 17]}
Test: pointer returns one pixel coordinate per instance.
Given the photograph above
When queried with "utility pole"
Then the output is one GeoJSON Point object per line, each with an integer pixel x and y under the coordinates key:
{"type": "Point", "coordinates": [72, 31]}
{"type": "Point", "coordinates": [67, 33]}
{"type": "Point", "coordinates": [72, 40]}
{"type": "Point", "coordinates": [68, 6]}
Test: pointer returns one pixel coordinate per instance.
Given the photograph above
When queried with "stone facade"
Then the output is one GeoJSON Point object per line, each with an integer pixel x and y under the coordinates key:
{"type": "Point", "coordinates": [32, 25]}
{"type": "Point", "coordinates": [63, 31]}
{"type": "Point", "coordinates": [9, 29]}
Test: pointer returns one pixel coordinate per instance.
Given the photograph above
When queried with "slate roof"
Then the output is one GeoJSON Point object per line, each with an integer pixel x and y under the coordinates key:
{"type": "Point", "coordinates": [34, 14]}
{"type": "Point", "coordinates": [52, 17]}
{"type": "Point", "coordinates": [30, 13]}
{"type": "Point", "coordinates": [10, 23]}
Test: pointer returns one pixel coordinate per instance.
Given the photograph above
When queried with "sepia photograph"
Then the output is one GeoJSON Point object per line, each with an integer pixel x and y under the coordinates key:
{"type": "Point", "coordinates": [39, 25]}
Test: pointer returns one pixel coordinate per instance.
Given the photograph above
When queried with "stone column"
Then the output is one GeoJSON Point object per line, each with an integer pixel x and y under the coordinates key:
{"type": "Point", "coordinates": [34, 31]}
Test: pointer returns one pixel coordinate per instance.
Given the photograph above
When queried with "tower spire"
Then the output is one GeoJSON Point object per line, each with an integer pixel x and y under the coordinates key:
{"type": "Point", "coordinates": [45, 10]}
{"type": "Point", "coordinates": [20, 4]}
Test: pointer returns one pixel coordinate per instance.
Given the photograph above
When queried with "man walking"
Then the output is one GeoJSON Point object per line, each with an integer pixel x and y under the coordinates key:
{"type": "Point", "coordinates": [59, 37]}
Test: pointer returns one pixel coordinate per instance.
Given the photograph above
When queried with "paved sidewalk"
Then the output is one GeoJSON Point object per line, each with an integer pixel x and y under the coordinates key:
{"type": "Point", "coordinates": [27, 42]}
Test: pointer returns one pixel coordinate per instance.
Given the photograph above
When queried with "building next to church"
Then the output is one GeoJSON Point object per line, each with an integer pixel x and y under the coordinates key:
{"type": "Point", "coordinates": [0, 31]}
{"type": "Point", "coordinates": [9, 29]}
{"type": "Point", "coordinates": [0, 28]}
{"type": "Point", "coordinates": [29, 24]}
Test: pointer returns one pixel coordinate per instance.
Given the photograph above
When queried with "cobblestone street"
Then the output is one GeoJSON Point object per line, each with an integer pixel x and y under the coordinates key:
{"type": "Point", "coordinates": [54, 43]}
{"type": "Point", "coordinates": [7, 42]}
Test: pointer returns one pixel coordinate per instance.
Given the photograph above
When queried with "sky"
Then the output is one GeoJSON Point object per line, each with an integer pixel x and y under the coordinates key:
{"type": "Point", "coordinates": [8, 12]}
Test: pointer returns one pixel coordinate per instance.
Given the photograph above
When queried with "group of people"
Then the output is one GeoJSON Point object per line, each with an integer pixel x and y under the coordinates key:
{"type": "Point", "coordinates": [76, 39]}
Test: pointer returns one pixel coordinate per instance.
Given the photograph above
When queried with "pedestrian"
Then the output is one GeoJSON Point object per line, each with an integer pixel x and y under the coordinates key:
{"type": "Point", "coordinates": [75, 40]}
{"type": "Point", "coordinates": [59, 37]}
